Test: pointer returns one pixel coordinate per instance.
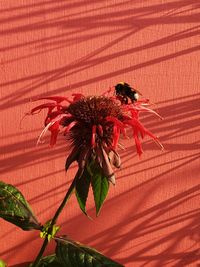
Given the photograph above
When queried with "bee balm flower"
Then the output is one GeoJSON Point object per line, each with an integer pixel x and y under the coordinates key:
{"type": "Point", "coordinates": [94, 125]}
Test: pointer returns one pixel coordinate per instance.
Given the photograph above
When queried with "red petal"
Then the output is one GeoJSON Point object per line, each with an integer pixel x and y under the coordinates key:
{"type": "Point", "coordinates": [100, 129]}
{"type": "Point", "coordinates": [137, 126]}
{"type": "Point", "coordinates": [40, 107]}
{"type": "Point", "coordinates": [54, 135]}
{"type": "Point", "coordinates": [68, 128]}
{"type": "Point", "coordinates": [51, 115]}
{"type": "Point", "coordinates": [58, 99]}
{"type": "Point", "coordinates": [77, 97]}
{"type": "Point", "coordinates": [150, 111]}
{"type": "Point", "coordinates": [116, 134]}
{"type": "Point", "coordinates": [115, 121]}
{"type": "Point", "coordinates": [54, 128]}
{"type": "Point", "coordinates": [137, 143]}
{"type": "Point", "coordinates": [144, 100]}
{"type": "Point", "coordinates": [93, 140]}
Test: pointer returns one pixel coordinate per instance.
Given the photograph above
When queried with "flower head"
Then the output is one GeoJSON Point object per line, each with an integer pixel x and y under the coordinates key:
{"type": "Point", "coordinates": [94, 125]}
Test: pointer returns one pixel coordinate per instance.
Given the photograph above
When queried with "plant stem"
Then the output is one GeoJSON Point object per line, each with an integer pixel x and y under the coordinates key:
{"type": "Point", "coordinates": [57, 213]}
{"type": "Point", "coordinates": [39, 256]}
{"type": "Point", "coordinates": [66, 198]}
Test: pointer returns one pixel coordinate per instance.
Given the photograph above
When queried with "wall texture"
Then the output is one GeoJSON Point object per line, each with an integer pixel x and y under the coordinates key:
{"type": "Point", "coordinates": [151, 217]}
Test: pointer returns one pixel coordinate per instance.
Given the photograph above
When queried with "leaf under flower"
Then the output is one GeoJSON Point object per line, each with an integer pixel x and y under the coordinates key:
{"type": "Point", "coordinates": [100, 185]}
{"type": "Point", "coordinates": [82, 190]}
{"type": "Point", "coordinates": [93, 175]}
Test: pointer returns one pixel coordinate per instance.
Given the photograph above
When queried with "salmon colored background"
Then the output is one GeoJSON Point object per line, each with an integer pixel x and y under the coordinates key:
{"type": "Point", "coordinates": [151, 217]}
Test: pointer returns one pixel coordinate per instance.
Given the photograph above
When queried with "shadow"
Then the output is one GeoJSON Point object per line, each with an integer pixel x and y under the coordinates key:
{"type": "Point", "coordinates": [128, 21]}
{"type": "Point", "coordinates": [168, 256]}
{"type": "Point", "coordinates": [62, 71]}
{"type": "Point", "coordinates": [145, 226]}
{"type": "Point", "coordinates": [137, 224]}
{"type": "Point", "coordinates": [183, 123]}
{"type": "Point", "coordinates": [184, 161]}
{"type": "Point", "coordinates": [154, 220]}
{"type": "Point", "coordinates": [134, 15]}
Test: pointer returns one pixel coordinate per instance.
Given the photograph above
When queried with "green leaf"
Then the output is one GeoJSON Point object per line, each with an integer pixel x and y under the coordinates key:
{"type": "Point", "coordinates": [74, 254]}
{"type": "Point", "coordinates": [50, 261]}
{"type": "Point", "coordinates": [100, 185]}
{"type": "Point", "coordinates": [82, 189]}
{"type": "Point", "coordinates": [93, 174]}
{"type": "Point", "coordinates": [2, 263]}
{"type": "Point", "coordinates": [15, 209]}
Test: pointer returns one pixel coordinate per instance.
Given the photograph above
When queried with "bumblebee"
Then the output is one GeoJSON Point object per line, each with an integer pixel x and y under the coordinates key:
{"type": "Point", "coordinates": [124, 92]}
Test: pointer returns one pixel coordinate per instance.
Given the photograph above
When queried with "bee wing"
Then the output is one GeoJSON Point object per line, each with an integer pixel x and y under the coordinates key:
{"type": "Point", "coordinates": [137, 91]}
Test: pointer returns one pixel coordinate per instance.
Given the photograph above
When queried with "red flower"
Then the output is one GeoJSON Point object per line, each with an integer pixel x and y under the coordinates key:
{"type": "Point", "coordinates": [94, 125]}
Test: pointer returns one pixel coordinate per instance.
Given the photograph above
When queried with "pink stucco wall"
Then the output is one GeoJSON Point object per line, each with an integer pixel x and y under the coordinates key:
{"type": "Point", "coordinates": [151, 216]}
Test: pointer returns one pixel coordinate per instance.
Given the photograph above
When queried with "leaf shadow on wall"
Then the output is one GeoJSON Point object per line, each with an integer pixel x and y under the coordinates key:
{"type": "Point", "coordinates": [166, 13]}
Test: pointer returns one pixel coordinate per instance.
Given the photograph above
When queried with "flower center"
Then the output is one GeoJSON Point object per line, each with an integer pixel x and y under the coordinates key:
{"type": "Point", "coordinates": [94, 109]}
{"type": "Point", "coordinates": [90, 114]}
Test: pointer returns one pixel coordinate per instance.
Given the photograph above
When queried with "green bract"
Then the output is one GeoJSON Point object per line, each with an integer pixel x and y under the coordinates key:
{"type": "Point", "coordinates": [92, 175]}
{"type": "Point", "coordinates": [2, 263]}
{"type": "Point", "coordinates": [50, 233]}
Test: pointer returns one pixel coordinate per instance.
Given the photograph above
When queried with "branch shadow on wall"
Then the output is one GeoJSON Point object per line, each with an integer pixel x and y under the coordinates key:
{"type": "Point", "coordinates": [156, 221]}
{"type": "Point", "coordinates": [127, 24]}
{"type": "Point", "coordinates": [186, 107]}
{"type": "Point", "coordinates": [180, 119]}
{"type": "Point", "coordinates": [142, 224]}
{"type": "Point", "coordinates": [152, 220]}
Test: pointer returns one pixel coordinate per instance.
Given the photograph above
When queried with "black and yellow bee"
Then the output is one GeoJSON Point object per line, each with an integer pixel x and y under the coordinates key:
{"type": "Point", "coordinates": [125, 92]}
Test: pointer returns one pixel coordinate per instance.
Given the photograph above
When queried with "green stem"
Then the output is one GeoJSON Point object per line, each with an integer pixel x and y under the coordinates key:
{"type": "Point", "coordinates": [39, 256]}
{"type": "Point", "coordinates": [57, 213]}
{"type": "Point", "coordinates": [66, 198]}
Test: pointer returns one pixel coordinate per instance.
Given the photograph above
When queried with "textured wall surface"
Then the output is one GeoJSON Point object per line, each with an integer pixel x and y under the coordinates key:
{"type": "Point", "coordinates": [151, 217]}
